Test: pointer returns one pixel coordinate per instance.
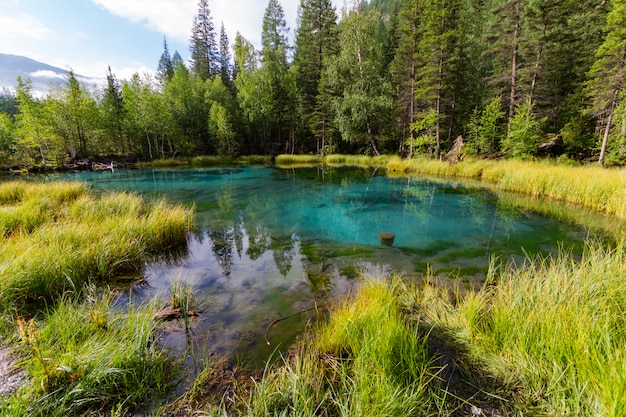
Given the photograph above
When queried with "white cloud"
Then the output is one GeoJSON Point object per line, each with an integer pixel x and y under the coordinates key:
{"type": "Point", "coordinates": [23, 26]}
{"type": "Point", "coordinates": [46, 74]}
{"type": "Point", "coordinates": [175, 17]}
{"type": "Point", "coordinates": [171, 17]}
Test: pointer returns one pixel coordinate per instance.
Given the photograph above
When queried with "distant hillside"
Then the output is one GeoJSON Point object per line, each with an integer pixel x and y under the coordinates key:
{"type": "Point", "coordinates": [42, 75]}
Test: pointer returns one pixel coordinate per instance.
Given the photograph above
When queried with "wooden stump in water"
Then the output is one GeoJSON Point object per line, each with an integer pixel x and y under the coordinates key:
{"type": "Point", "coordinates": [386, 238]}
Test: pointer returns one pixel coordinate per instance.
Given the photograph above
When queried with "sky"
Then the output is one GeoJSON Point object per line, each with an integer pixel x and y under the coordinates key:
{"type": "Point", "coordinates": [89, 35]}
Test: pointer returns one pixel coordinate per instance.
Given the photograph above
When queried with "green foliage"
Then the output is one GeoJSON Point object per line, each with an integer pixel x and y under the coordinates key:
{"type": "Point", "coordinates": [221, 128]}
{"type": "Point", "coordinates": [364, 104]}
{"type": "Point", "coordinates": [8, 138]}
{"type": "Point", "coordinates": [523, 136]}
{"type": "Point", "coordinates": [483, 130]}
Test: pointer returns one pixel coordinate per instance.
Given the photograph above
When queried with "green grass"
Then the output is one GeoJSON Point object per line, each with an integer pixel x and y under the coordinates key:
{"type": "Point", "coordinates": [298, 160]}
{"type": "Point", "coordinates": [86, 357]}
{"type": "Point", "coordinates": [365, 361]}
{"type": "Point", "coordinates": [57, 236]}
{"type": "Point", "coordinates": [600, 189]}
{"type": "Point", "coordinates": [554, 329]}
{"type": "Point", "coordinates": [82, 355]}
{"type": "Point", "coordinates": [206, 161]}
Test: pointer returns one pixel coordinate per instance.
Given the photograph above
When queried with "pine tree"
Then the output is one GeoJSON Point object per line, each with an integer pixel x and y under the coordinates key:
{"type": "Point", "coordinates": [225, 60]}
{"type": "Point", "coordinates": [504, 38]}
{"type": "Point", "coordinates": [203, 47]}
{"type": "Point", "coordinates": [114, 112]}
{"type": "Point", "coordinates": [316, 41]}
{"type": "Point", "coordinates": [165, 69]}
{"type": "Point", "coordinates": [607, 78]}
{"type": "Point", "coordinates": [277, 88]}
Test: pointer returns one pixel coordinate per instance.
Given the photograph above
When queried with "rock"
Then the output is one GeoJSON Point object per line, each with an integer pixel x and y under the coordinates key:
{"type": "Point", "coordinates": [456, 153]}
{"type": "Point", "coordinates": [551, 148]}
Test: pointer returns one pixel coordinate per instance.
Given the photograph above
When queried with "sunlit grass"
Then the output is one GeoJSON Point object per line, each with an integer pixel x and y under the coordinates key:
{"type": "Point", "coordinates": [57, 236]}
{"type": "Point", "coordinates": [291, 160]}
{"type": "Point", "coordinates": [366, 360]}
{"type": "Point", "coordinates": [357, 160]}
{"type": "Point", "coordinates": [86, 357]}
{"type": "Point", "coordinates": [601, 189]}
{"type": "Point", "coordinates": [555, 328]}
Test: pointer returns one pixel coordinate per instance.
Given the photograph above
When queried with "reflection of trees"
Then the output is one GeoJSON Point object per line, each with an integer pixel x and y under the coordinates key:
{"type": "Point", "coordinates": [259, 242]}
{"type": "Point", "coordinates": [223, 239]}
{"type": "Point", "coordinates": [283, 250]}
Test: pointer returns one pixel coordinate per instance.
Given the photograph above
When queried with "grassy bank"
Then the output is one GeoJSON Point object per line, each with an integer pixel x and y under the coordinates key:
{"type": "Point", "coordinates": [56, 237]}
{"type": "Point", "coordinates": [207, 161]}
{"type": "Point", "coordinates": [546, 340]}
{"type": "Point", "coordinates": [82, 355]}
{"type": "Point", "coordinates": [600, 189]}
{"type": "Point", "coordinates": [594, 187]}
{"type": "Point", "coordinates": [555, 330]}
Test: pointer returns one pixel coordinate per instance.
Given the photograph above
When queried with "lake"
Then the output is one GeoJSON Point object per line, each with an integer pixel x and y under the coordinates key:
{"type": "Point", "coordinates": [269, 243]}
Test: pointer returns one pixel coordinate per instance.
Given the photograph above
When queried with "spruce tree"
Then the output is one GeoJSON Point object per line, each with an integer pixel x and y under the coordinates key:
{"type": "Point", "coordinates": [165, 69]}
{"type": "Point", "coordinates": [438, 59]}
{"type": "Point", "coordinates": [607, 78]}
{"type": "Point", "coordinates": [203, 47]}
{"type": "Point", "coordinates": [316, 42]}
{"type": "Point", "coordinates": [225, 60]}
{"type": "Point", "coordinates": [504, 38]}
{"type": "Point", "coordinates": [114, 112]}
{"type": "Point", "coordinates": [277, 88]}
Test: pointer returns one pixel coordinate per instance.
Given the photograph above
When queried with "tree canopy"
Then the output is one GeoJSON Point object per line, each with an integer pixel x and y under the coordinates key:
{"type": "Point", "coordinates": [399, 77]}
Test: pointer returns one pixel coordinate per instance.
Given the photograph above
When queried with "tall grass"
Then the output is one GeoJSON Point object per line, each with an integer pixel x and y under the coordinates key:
{"type": "Point", "coordinates": [290, 159]}
{"type": "Point", "coordinates": [86, 357]}
{"type": "Point", "coordinates": [600, 189]}
{"type": "Point", "coordinates": [57, 236]}
{"type": "Point", "coordinates": [365, 361]}
{"type": "Point", "coordinates": [555, 328]}
{"type": "Point", "coordinates": [356, 160]}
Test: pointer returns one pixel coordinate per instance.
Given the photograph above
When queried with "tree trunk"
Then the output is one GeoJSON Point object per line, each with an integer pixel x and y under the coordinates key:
{"type": "Point", "coordinates": [518, 7]}
{"type": "Point", "coordinates": [607, 129]}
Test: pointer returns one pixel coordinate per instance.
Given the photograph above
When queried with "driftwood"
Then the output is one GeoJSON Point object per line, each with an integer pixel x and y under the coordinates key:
{"type": "Point", "coordinates": [174, 313]}
{"type": "Point", "coordinates": [98, 166]}
{"type": "Point", "coordinates": [456, 153]}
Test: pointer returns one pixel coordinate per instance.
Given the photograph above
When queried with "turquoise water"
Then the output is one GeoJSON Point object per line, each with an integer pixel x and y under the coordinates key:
{"type": "Point", "coordinates": [269, 243]}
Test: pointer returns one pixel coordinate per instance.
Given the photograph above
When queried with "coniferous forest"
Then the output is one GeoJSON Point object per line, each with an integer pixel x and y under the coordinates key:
{"type": "Point", "coordinates": [515, 78]}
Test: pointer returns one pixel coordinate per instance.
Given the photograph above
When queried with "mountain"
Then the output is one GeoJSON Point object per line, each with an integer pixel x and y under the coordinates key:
{"type": "Point", "coordinates": [42, 75]}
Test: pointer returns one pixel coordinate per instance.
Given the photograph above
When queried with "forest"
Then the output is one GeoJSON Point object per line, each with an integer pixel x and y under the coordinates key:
{"type": "Point", "coordinates": [514, 78]}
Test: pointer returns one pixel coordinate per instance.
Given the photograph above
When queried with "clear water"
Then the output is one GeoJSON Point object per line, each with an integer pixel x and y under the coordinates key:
{"type": "Point", "coordinates": [269, 243]}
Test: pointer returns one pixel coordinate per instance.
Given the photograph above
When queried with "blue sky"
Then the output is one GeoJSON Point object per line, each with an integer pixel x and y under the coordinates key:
{"type": "Point", "coordinates": [90, 35]}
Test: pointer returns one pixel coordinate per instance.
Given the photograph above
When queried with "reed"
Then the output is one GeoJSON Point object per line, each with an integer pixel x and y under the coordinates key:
{"type": "Point", "coordinates": [84, 357]}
